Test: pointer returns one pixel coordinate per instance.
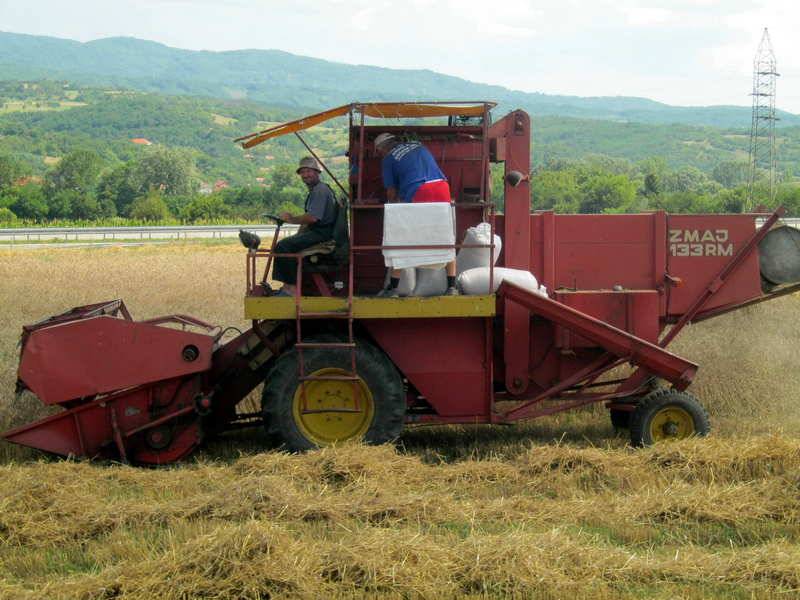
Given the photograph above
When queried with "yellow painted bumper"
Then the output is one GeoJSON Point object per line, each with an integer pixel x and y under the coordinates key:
{"type": "Point", "coordinates": [373, 308]}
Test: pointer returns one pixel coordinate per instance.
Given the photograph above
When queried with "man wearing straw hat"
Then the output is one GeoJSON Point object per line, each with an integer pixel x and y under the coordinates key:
{"type": "Point", "coordinates": [316, 225]}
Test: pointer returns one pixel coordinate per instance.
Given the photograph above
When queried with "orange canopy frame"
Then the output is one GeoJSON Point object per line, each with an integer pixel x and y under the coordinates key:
{"type": "Point", "coordinates": [379, 110]}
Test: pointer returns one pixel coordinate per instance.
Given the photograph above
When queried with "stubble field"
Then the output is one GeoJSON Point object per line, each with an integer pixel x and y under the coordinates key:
{"type": "Point", "coordinates": [556, 508]}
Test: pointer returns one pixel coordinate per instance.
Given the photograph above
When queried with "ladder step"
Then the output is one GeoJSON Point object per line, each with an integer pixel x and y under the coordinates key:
{"type": "Point", "coordinates": [324, 345]}
{"type": "Point", "coordinates": [331, 378]}
{"type": "Point", "coordinates": [322, 315]}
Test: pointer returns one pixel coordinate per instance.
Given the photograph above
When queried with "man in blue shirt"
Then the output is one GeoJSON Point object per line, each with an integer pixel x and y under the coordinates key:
{"type": "Point", "coordinates": [316, 225]}
{"type": "Point", "coordinates": [410, 174]}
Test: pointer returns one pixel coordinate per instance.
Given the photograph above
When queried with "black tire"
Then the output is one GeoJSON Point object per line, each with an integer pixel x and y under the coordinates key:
{"type": "Point", "coordinates": [382, 399]}
{"type": "Point", "coordinates": [620, 419]}
{"type": "Point", "coordinates": [667, 414]}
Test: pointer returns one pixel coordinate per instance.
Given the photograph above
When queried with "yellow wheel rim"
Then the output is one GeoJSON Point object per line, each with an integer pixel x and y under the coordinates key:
{"type": "Point", "coordinates": [325, 428]}
{"type": "Point", "coordinates": [671, 424]}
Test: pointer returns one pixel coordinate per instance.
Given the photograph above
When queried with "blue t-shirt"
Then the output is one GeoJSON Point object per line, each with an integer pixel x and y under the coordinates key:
{"type": "Point", "coordinates": [407, 167]}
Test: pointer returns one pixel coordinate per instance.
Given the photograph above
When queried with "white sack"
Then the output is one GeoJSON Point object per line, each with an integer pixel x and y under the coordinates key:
{"type": "Point", "coordinates": [423, 224]}
{"type": "Point", "coordinates": [473, 258]}
{"type": "Point", "coordinates": [430, 282]}
{"type": "Point", "coordinates": [408, 280]}
{"type": "Point", "coordinates": [476, 281]}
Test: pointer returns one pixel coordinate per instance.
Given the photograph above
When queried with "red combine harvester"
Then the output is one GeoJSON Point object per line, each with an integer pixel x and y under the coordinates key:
{"type": "Point", "coordinates": [339, 363]}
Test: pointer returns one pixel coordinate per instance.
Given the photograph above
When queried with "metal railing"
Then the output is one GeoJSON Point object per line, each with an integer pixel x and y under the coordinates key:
{"type": "Point", "coordinates": [141, 234]}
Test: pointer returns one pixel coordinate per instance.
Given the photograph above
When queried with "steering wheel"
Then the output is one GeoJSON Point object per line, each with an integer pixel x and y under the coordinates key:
{"type": "Point", "coordinates": [278, 220]}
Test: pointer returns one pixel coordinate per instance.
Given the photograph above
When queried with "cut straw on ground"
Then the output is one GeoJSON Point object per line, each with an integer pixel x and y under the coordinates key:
{"type": "Point", "coordinates": [561, 507]}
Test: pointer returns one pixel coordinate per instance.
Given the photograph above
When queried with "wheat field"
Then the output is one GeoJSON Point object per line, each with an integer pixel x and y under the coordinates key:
{"type": "Point", "coordinates": [561, 507]}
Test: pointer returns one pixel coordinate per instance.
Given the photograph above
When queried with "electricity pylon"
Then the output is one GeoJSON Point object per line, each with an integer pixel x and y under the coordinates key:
{"type": "Point", "coordinates": [762, 172]}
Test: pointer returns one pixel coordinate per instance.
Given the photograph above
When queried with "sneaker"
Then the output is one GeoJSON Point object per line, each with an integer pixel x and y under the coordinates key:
{"type": "Point", "coordinates": [452, 291]}
{"type": "Point", "coordinates": [388, 293]}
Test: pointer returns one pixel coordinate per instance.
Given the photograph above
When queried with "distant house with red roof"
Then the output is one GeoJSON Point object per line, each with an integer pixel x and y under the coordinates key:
{"type": "Point", "coordinates": [259, 179]}
{"type": "Point", "coordinates": [270, 157]}
{"type": "Point", "coordinates": [25, 180]}
{"type": "Point", "coordinates": [221, 184]}
{"type": "Point", "coordinates": [142, 141]}
{"type": "Point", "coordinates": [205, 189]}
{"type": "Point", "coordinates": [248, 156]}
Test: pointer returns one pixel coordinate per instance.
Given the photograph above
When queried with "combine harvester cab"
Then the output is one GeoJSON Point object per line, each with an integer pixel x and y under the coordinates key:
{"type": "Point", "coordinates": [339, 363]}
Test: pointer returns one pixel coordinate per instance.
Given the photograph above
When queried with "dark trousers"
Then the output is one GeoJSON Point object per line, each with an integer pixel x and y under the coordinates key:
{"type": "Point", "coordinates": [285, 267]}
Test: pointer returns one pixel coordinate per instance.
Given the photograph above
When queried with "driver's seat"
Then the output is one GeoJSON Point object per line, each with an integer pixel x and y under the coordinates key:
{"type": "Point", "coordinates": [329, 256]}
{"type": "Point", "coordinates": [322, 248]}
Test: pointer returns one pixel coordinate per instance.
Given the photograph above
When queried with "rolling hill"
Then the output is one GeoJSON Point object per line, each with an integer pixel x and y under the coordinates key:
{"type": "Point", "coordinates": [46, 119]}
{"type": "Point", "coordinates": [271, 76]}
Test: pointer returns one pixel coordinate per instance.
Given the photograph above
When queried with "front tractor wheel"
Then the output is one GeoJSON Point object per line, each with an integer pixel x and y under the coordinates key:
{"type": "Point", "coordinates": [667, 414]}
{"type": "Point", "coordinates": [328, 414]}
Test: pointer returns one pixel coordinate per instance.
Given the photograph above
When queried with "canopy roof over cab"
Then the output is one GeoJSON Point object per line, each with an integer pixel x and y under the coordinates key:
{"type": "Point", "coordinates": [378, 110]}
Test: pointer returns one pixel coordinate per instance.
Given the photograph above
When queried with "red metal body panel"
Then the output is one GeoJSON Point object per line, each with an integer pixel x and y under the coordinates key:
{"type": "Point", "coordinates": [93, 429]}
{"type": "Point", "coordinates": [698, 249]}
{"type": "Point", "coordinates": [623, 345]}
{"type": "Point", "coordinates": [634, 312]}
{"type": "Point", "coordinates": [369, 270]}
{"type": "Point", "coordinates": [595, 252]}
{"type": "Point", "coordinates": [637, 252]}
{"type": "Point", "coordinates": [514, 131]}
{"type": "Point", "coordinates": [104, 354]}
{"type": "Point", "coordinates": [445, 359]}
{"type": "Point", "coordinates": [459, 152]}
{"type": "Point", "coordinates": [550, 364]}
{"type": "Point", "coordinates": [81, 431]}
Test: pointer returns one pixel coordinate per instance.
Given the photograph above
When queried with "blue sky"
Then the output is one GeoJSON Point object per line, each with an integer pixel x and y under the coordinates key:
{"type": "Point", "coordinates": [680, 52]}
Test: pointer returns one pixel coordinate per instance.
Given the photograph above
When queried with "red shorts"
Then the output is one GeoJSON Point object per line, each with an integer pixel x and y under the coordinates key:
{"type": "Point", "coordinates": [433, 191]}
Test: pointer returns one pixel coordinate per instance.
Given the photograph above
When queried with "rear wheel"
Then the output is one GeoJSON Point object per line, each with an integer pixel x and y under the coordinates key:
{"type": "Point", "coordinates": [667, 414]}
{"type": "Point", "coordinates": [328, 414]}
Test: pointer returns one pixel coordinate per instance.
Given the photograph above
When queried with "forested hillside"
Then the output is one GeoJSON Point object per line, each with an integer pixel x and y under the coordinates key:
{"type": "Point", "coordinates": [86, 153]}
{"type": "Point", "coordinates": [73, 149]}
{"type": "Point", "coordinates": [280, 78]}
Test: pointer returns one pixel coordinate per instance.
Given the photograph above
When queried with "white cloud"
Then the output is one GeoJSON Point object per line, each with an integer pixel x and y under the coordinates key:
{"type": "Point", "coordinates": [515, 17]}
{"type": "Point", "coordinates": [681, 51]}
{"type": "Point", "coordinates": [362, 20]}
{"type": "Point", "coordinates": [640, 15]}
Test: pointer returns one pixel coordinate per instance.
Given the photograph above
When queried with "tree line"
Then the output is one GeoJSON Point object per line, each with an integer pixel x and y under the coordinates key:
{"type": "Point", "coordinates": [102, 174]}
{"type": "Point", "coordinates": [601, 184]}
{"type": "Point", "coordinates": [161, 185]}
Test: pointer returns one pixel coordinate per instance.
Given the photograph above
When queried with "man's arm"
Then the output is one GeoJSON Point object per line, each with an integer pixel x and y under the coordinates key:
{"type": "Point", "coordinates": [390, 182]}
{"type": "Point", "coordinates": [304, 219]}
